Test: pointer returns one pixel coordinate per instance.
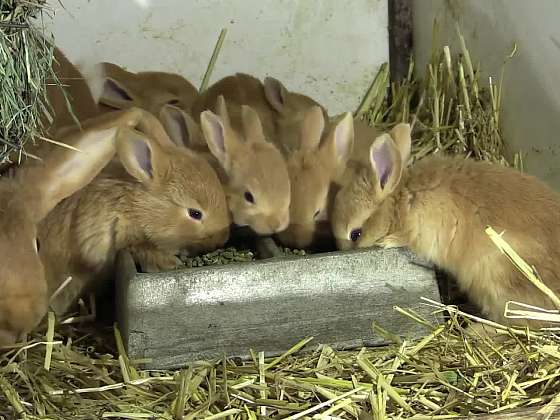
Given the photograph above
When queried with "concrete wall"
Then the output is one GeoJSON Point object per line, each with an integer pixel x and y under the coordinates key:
{"type": "Point", "coordinates": [531, 102]}
{"type": "Point", "coordinates": [324, 48]}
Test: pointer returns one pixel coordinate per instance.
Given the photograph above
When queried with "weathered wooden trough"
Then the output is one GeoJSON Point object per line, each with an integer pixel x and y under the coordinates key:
{"type": "Point", "coordinates": [271, 304]}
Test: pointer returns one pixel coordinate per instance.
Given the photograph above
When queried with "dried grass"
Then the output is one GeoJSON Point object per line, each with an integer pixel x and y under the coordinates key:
{"type": "Point", "coordinates": [25, 66]}
{"type": "Point", "coordinates": [452, 371]}
{"type": "Point", "coordinates": [451, 110]}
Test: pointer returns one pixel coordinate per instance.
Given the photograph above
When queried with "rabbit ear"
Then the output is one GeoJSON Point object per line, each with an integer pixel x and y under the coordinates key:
{"type": "Point", "coordinates": [275, 93]}
{"type": "Point", "coordinates": [312, 128]}
{"type": "Point", "coordinates": [222, 111]}
{"type": "Point", "coordinates": [115, 94]}
{"type": "Point", "coordinates": [401, 134]}
{"type": "Point", "coordinates": [111, 85]}
{"type": "Point", "coordinates": [153, 128]}
{"type": "Point", "coordinates": [386, 162]}
{"type": "Point", "coordinates": [140, 155]}
{"type": "Point", "coordinates": [180, 127]}
{"type": "Point", "coordinates": [340, 141]}
{"type": "Point", "coordinates": [252, 124]}
{"type": "Point", "coordinates": [63, 171]}
{"type": "Point", "coordinates": [221, 141]}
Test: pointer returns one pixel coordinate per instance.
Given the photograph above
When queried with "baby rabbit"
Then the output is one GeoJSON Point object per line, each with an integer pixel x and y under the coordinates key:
{"type": "Point", "coordinates": [238, 89]}
{"type": "Point", "coordinates": [281, 111]}
{"type": "Point", "coordinates": [439, 208]}
{"type": "Point", "coordinates": [289, 110]}
{"type": "Point", "coordinates": [27, 198]}
{"type": "Point", "coordinates": [253, 170]}
{"type": "Point", "coordinates": [316, 171]}
{"type": "Point", "coordinates": [77, 90]}
{"type": "Point", "coordinates": [317, 149]}
{"type": "Point", "coordinates": [115, 88]}
{"type": "Point", "coordinates": [314, 168]}
{"type": "Point", "coordinates": [295, 124]}
{"type": "Point", "coordinates": [172, 200]}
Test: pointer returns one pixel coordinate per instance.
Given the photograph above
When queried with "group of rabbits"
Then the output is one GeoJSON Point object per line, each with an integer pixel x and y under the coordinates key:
{"type": "Point", "coordinates": [162, 168]}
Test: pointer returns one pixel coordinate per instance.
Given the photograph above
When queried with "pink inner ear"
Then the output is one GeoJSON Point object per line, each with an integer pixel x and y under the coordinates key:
{"type": "Point", "coordinates": [180, 134]}
{"type": "Point", "coordinates": [143, 156]}
{"type": "Point", "coordinates": [383, 164]}
{"type": "Point", "coordinates": [113, 91]}
{"type": "Point", "coordinates": [218, 134]}
{"type": "Point", "coordinates": [273, 92]}
{"type": "Point", "coordinates": [341, 142]}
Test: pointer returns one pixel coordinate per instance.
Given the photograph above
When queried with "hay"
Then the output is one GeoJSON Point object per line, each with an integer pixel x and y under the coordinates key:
{"type": "Point", "coordinates": [25, 65]}
{"type": "Point", "coordinates": [213, 58]}
{"type": "Point", "coordinates": [452, 110]}
{"type": "Point", "coordinates": [452, 371]}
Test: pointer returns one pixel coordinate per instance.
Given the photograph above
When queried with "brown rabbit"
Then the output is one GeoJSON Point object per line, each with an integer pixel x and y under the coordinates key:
{"type": "Point", "coordinates": [314, 169]}
{"type": "Point", "coordinates": [294, 123]}
{"type": "Point", "coordinates": [77, 90]}
{"type": "Point", "coordinates": [439, 208]}
{"type": "Point", "coordinates": [281, 111]}
{"type": "Point", "coordinates": [252, 169]}
{"type": "Point", "coordinates": [27, 198]}
{"type": "Point", "coordinates": [317, 149]}
{"type": "Point", "coordinates": [238, 89]}
{"type": "Point", "coordinates": [115, 88]}
{"type": "Point", "coordinates": [172, 200]}
{"type": "Point", "coordinates": [289, 111]}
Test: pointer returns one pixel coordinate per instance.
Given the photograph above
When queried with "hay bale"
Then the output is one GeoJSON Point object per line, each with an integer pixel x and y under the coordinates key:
{"type": "Point", "coordinates": [25, 65]}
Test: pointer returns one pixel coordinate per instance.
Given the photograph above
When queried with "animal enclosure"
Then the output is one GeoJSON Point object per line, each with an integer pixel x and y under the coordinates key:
{"type": "Point", "coordinates": [239, 209]}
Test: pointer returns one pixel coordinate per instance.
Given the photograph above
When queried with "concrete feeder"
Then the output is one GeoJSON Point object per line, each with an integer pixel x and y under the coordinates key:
{"type": "Point", "coordinates": [270, 304]}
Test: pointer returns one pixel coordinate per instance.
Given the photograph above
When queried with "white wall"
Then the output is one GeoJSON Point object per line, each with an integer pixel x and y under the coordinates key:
{"type": "Point", "coordinates": [531, 103]}
{"type": "Point", "coordinates": [329, 49]}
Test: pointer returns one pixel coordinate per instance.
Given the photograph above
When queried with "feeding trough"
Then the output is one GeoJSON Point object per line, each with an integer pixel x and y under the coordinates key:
{"type": "Point", "coordinates": [269, 305]}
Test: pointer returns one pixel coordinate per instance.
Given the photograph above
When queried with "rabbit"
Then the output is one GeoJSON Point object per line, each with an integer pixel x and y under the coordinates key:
{"type": "Point", "coordinates": [252, 169]}
{"type": "Point", "coordinates": [295, 124]}
{"type": "Point", "coordinates": [289, 110]}
{"type": "Point", "coordinates": [171, 200]}
{"type": "Point", "coordinates": [439, 208]}
{"type": "Point", "coordinates": [237, 89]}
{"type": "Point", "coordinates": [314, 169]}
{"type": "Point", "coordinates": [115, 88]}
{"type": "Point", "coordinates": [77, 90]}
{"type": "Point", "coordinates": [27, 198]}
{"type": "Point", "coordinates": [316, 172]}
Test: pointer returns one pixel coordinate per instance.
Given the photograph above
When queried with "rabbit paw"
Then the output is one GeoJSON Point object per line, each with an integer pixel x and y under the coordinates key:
{"type": "Point", "coordinates": [153, 260]}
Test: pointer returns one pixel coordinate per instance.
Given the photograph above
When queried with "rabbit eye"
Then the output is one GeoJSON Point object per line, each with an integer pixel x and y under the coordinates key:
{"type": "Point", "coordinates": [195, 214]}
{"type": "Point", "coordinates": [37, 245]}
{"type": "Point", "coordinates": [316, 214]}
{"type": "Point", "coordinates": [355, 234]}
{"type": "Point", "coordinates": [173, 102]}
{"type": "Point", "coordinates": [249, 197]}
